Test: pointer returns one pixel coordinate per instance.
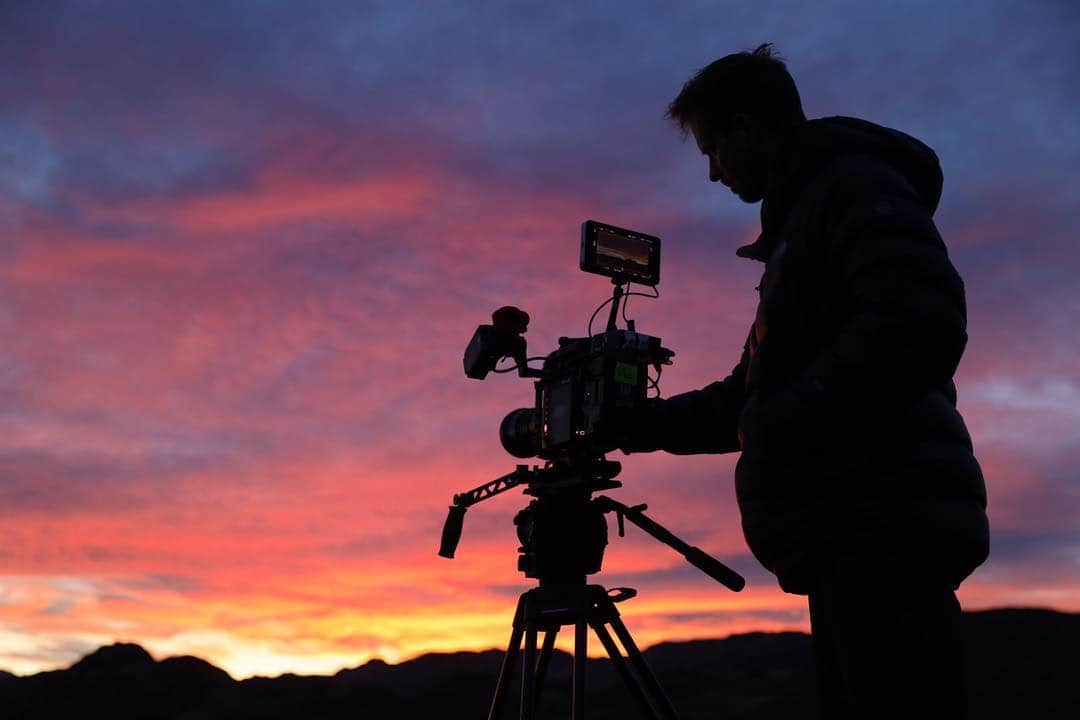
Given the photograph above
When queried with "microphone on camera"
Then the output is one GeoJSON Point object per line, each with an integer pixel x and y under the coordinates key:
{"type": "Point", "coordinates": [510, 320]}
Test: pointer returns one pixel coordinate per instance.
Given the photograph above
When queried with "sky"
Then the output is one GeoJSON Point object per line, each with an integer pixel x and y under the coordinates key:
{"type": "Point", "coordinates": [244, 244]}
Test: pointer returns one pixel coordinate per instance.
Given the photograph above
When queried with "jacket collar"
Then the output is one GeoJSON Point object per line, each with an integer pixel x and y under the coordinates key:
{"type": "Point", "coordinates": [812, 145]}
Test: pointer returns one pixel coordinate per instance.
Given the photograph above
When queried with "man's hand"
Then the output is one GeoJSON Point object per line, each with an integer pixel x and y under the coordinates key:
{"type": "Point", "coordinates": [635, 429]}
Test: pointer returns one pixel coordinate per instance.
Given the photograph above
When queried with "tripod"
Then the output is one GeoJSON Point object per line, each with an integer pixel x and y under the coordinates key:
{"type": "Point", "coordinates": [583, 606]}
{"type": "Point", "coordinates": [563, 533]}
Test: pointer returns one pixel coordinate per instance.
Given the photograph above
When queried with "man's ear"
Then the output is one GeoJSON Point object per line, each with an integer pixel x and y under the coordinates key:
{"type": "Point", "coordinates": [745, 128]}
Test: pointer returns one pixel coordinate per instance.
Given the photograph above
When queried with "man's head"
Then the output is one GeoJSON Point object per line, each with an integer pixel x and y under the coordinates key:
{"type": "Point", "coordinates": [738, 109]}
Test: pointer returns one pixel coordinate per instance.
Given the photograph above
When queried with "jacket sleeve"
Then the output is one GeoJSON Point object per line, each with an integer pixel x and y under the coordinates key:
{"type": "Point", "coordinates": [699, 421]}
{"type": "Point", "coordinates": [902, 319]}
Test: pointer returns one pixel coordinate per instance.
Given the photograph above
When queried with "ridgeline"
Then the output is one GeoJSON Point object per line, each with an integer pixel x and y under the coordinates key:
{"type": "Point", "coordinates": [1021, 663]}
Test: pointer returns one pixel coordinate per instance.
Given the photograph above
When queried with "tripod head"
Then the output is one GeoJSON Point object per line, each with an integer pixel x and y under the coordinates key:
{"type": "Point", "coordinates": [563, 531]}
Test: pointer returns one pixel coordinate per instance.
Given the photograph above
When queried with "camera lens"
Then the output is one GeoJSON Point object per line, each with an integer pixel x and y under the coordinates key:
{"type": "Point", "coordinates": [520, 433]}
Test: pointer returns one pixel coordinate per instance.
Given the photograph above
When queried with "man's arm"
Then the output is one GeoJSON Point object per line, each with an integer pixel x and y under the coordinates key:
{"type": "Point", "coordinates": [903, 330]}
{"type": "Point", "coordinates": [699, 421]}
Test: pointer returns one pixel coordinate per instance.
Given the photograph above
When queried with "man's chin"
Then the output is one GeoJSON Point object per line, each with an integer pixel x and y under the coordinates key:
{"type": "Point", "coordinates": [747, 196]}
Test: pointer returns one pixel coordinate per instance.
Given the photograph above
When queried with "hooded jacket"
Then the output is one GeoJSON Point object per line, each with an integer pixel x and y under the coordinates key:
{"type": "Point", "coordinates": [843, 402]}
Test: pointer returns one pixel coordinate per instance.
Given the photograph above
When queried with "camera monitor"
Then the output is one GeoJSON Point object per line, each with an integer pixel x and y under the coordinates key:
{"type": "Point", "coordinates": [626, 255]}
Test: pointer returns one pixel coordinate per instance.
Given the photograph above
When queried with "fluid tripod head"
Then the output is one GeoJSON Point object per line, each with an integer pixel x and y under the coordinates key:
{"type": "Point", "coordinates": [563, 531]}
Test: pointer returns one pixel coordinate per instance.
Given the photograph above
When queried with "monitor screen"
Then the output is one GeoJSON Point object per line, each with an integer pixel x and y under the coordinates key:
{"type": "Point", "coordinates": [626, 255]}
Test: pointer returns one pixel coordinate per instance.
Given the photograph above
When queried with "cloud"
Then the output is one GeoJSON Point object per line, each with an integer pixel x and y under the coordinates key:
{"type": "Point", "coordinates": [377, 200]}
{"type": "Point", "coordinates": [1058, 397]}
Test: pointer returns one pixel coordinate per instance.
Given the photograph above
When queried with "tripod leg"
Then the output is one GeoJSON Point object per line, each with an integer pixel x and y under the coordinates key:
{"type": "Point", "coordinates": [623, 669]}
{"type": "Point", "coordinates": [509, 660]}
{"type": "Point", "coordinates": [528, 674]}
{"type": "Point", "coordinates": [581, 657]}
{"type": "Point", "coordinates": [545, 659]}
{"type": "Point", "coordinates": [638, 661]}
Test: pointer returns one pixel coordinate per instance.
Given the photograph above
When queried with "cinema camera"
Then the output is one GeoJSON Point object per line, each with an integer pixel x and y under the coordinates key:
{"type": "Point", "coordinates": [588, 383]}
{"type": "Point", "coordinates": [585, 392]}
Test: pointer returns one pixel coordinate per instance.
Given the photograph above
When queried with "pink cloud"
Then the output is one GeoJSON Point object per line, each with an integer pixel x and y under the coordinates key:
{"type": "Point", "coordinates": [383, 199]}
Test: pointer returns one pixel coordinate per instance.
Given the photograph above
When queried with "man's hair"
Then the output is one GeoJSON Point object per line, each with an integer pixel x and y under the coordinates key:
{"type": "Point", "coordinates": [756, 83]}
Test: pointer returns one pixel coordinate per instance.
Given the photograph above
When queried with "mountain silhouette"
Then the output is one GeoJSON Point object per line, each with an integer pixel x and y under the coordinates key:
{"type": "Point", "coordinates": [1022, 663]}
{"type": "Point", "coordinates": [120, 659]}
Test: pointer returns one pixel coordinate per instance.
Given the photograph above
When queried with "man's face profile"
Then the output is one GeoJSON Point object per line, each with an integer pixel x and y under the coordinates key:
{"type": "Point", "coordinates": [734, 155]}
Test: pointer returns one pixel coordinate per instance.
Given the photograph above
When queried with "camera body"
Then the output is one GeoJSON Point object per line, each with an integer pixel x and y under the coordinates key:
{"type": "Point", "coordinates": [586, 384]}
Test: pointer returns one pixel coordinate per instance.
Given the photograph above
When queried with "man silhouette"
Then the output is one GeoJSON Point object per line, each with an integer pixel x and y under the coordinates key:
{"type": "Point", "coordinates": [857, 483]}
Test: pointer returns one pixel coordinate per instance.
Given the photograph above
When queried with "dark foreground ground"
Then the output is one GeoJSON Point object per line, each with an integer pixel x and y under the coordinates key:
{"type": "Point", "coordinates": [1021, 664]}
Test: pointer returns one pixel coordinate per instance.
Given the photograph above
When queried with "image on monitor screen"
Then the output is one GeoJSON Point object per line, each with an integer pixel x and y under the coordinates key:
{"type": "Point", "coordinates": [629, 253]}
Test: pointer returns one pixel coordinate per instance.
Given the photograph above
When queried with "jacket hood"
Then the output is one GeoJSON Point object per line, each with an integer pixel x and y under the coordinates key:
{"type": "Point", "coordinates": [816, 143]}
